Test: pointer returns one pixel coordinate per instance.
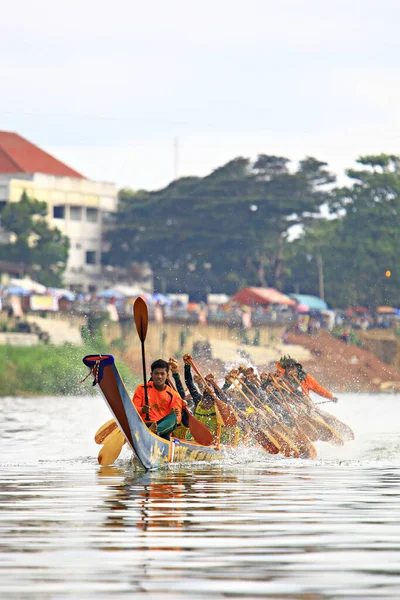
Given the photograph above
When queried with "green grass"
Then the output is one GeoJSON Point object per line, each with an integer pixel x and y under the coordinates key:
{"type": "Point", "coordinates": [51, 370]}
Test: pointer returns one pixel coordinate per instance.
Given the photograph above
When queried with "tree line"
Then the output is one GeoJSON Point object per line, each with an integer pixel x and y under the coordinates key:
{"type": "Point", "coordinates": [233, 228]}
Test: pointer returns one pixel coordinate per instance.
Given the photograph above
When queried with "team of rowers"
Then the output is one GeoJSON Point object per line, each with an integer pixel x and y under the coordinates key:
{"type": "Point", "coordinates": [273, 410]}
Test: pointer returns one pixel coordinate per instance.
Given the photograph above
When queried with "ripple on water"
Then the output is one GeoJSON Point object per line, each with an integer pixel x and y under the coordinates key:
{"type": "Point", "coordinates": [255, 526]}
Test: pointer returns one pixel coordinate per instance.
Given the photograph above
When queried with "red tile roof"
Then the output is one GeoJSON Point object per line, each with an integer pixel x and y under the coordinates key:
{"type": "Point", "coordinates": [17, 155]}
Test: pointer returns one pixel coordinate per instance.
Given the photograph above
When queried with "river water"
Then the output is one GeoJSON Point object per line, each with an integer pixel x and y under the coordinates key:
{"type": "Point", "coordinates": [255, 526]}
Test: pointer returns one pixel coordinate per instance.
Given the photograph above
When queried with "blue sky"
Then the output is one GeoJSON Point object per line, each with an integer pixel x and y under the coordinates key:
{"type": "Point", "coordinates": [107, 87]}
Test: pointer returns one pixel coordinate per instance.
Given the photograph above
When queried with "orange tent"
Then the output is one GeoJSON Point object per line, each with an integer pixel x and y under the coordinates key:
{"type": "Point", "coordinates": [386, 309]}
{"type": "Point", "coordinates": [252, 296]}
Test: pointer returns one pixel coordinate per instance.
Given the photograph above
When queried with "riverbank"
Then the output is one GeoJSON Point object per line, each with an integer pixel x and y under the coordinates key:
{"type": "Point", "coordinates": [44, 370]}
{"type": "Point", "coordinates": [47, 369]}
{"type": "Point", "coordinates": [345, 367]}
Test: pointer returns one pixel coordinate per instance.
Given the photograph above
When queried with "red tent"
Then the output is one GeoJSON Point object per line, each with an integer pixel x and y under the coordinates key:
{"type": "Point", "coordinates": [252, 296]}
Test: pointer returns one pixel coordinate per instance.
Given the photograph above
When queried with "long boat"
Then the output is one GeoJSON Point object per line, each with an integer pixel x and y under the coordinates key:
{"type": "Point", "coordinates": [151, 450]}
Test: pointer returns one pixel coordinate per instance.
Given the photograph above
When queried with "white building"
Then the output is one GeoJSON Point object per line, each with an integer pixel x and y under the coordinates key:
{"type": "Point", "coordinates": [80, 208]}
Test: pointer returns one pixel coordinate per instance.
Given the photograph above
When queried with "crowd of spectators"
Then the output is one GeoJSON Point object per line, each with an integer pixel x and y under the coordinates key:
{"type": "Point", "coordinates": [162, 307]}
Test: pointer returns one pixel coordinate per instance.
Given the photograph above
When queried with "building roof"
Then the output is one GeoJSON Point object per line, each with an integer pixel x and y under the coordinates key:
{"type": "Point", "coordinates": [17, 155]}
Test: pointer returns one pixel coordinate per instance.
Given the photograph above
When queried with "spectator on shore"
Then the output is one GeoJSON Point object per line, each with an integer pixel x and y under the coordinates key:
{"type": "Point", "coordinates": [345, 337]}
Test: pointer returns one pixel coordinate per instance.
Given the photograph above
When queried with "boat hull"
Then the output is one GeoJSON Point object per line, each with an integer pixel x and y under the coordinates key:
{"type": "Point", "coordinates": [151, 450]}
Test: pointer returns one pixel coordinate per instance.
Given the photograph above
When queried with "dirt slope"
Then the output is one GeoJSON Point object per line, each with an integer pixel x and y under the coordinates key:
{"type": "Point", "coordinates": [344, 367]}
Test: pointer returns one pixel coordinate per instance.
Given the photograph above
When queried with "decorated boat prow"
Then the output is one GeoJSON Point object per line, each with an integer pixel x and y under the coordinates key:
{"type": "Point", "coordinates": [151, 450]}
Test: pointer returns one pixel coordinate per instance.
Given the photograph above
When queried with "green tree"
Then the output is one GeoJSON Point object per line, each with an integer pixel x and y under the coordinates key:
{"type": "Point", "coordinates": [221, 231]}
{"type": "Point", "coordinates": [370, 235]}
{"type": "Point", "coordinates": [34, 244]}
{"type": "Point", "coordinates": [359, 248]}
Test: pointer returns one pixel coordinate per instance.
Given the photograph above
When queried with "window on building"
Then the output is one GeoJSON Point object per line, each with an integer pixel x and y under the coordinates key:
{"type": "Point", "coordinates": [90, 257]}
{"type": "Point", "coordinates": [2, 204]}
{"type": "Point", "coordinates": [59, 212]}
{"type": "Point", "coordinates": [78, 246]}
{"type": "Point", "coordinates": [92, 215]}
{"type": "Point", "coordinates": [75, 213]}
{"type": "Point", "coordinates": [92, 289]}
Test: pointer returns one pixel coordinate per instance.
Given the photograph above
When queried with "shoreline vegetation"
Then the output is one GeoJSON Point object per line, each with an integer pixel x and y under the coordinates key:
{"type": "Point", "coordinates": [57, 370]}
{"type": "Point", "coordinates": [46, 370]}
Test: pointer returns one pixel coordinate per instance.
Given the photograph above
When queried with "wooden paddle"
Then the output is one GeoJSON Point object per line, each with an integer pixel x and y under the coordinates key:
{"type": "Point", "coordinates": [252, 428]}
{"type": "Point", "coordinates": [111, 448]}
{"type": "Point", "coordinates": [199, 431]}
{"type": "Point", "coordinates": [284, 444]}
{"type": "Point", "coordinates": [326, 432]}
{"type": "Point", "coordinates": [263, 438]}
{"type": "Point", "coordinates": [104, 431]}
{"type": "Point", "coordinates": [301, 437]}
{"type": "Point", "coordinates": [282, 432]}
{"type": "Point", "coordinates": [344, 430]}
{"type": "Point", "coordinates": [141, 317]}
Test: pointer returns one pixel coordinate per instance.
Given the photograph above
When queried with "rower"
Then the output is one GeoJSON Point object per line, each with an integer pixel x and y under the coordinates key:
{"type": "Point", "coordinates": [299, 379]}
{"type": "Point", "coordinates": [164, 409]}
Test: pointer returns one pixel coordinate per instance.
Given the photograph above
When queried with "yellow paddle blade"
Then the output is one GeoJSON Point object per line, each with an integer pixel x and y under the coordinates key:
{"type": "Point", "coordinates": [112, 448]}
{"type": "Point", "coordinates": [312, 451]}
{"type": "Point", "coordinates": [345, 431]}
{"type": "Point", "coordinates": [265, 441]}
{"type": "Point", "coordinates": [308, 428]}
{"type": "Point", "coordinates": [104, 431]}
{"type": "Point", "coordinates": [327, 432]}
{"type": "Point", "coordinates": [286, 446]}
{"type": "Point", "coordinates": [304, 444]}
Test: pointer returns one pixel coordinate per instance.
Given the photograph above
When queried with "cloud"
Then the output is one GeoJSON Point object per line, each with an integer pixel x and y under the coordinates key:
{"type": "Point", "coordinates": [150, 163]}
{"type": "Point", "coordinates": [110, 85]}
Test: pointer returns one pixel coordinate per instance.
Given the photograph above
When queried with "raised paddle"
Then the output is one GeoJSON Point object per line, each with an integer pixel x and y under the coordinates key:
{"type": "Point", "coordinates": [141, 317]}
{"type": "Point", "coordinates": [104, 431]}
{"type": "Point", "coordinates": [112, 448]}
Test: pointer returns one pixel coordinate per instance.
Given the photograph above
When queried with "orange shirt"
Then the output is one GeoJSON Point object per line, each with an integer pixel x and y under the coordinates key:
{"type": "Point", "coordinates": [309, 384]}
{"type": "Point", "coordinates": [161, 404]}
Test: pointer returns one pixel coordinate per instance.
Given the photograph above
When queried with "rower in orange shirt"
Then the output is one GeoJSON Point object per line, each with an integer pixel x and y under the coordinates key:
{"type": "Point", "coordinates": [292, 370]}
{"type": "Point", "coordinates": [164, 411]}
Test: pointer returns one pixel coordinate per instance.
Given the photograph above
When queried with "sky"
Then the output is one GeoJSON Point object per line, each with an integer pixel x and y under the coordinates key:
{"type": "Point", "coordinates": [138, 92]}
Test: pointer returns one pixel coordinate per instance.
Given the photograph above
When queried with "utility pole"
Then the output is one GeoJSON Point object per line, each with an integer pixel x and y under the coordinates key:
{"type": "Point", "coordinates": [320, 265]}
{"type": "Point", "coordinates": [176, 157]}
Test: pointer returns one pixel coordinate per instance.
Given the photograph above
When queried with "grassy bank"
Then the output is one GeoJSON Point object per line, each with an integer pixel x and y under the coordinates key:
{"type": "Point", "coordinates": [50, 370]}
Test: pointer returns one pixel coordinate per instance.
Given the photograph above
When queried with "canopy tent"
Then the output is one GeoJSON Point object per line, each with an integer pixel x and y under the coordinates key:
{"type": "Point", "coordinates": [161, 299]}
{"type": "Point", "coordinates": [389, 310]}
{"type": "Point", "coordinates": [62, 293]}
{"type": "Point", "coordinates": [252, 296]}
{"type": "Point", "coordinates": [111, 293]}
{"type": "Point", "coordinates": [302, 308]}
{"type": "Point", "coordinates": [313, 302]}
{"type": "Point", "coordinates": [14, 290]}
{"type": "Point", "coordinates": [122, 291]}
{"type": "Point", "coordinates": [361, 310]}
{"type": "Point", "coordinates": [28, 285]}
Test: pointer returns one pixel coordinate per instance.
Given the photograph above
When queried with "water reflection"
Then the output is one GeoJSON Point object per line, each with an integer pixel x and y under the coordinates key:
{"type": "Point", "coordinates": [253, 527]}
